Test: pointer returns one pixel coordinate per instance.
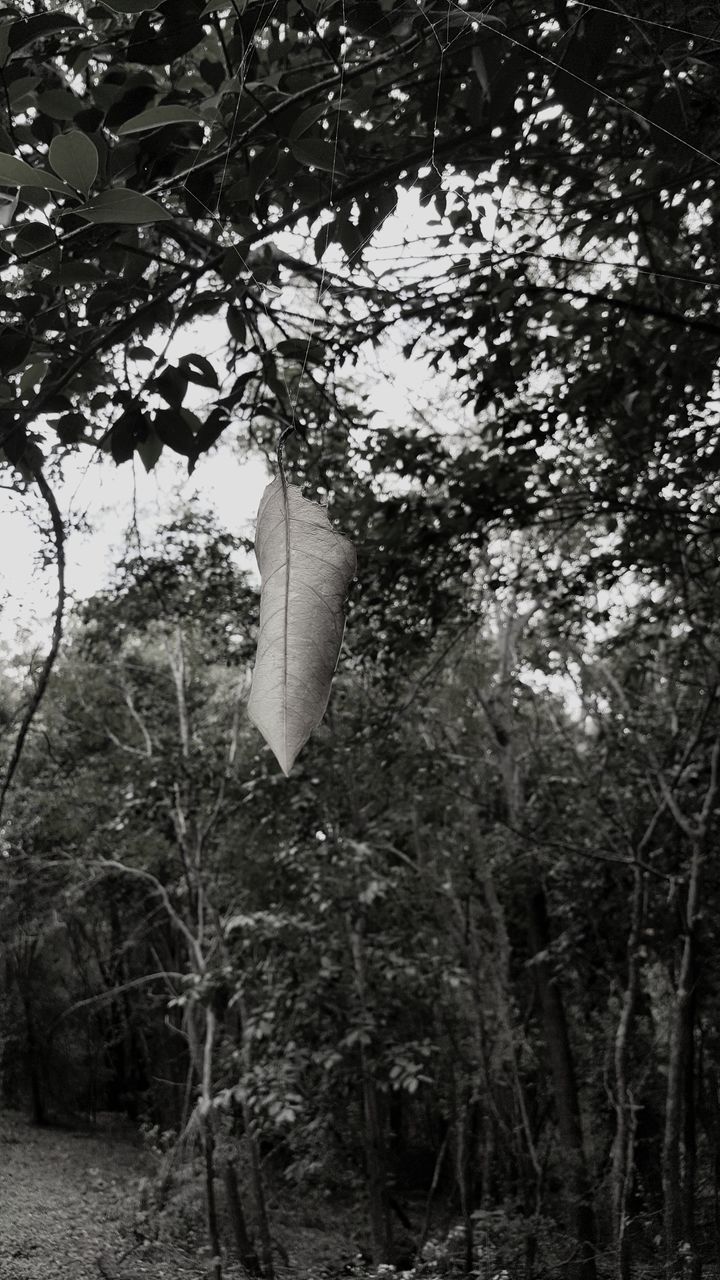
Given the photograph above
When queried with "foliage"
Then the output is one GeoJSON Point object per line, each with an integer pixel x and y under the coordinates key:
{"type": "Point", "coordinates": [206, 134]}
{"type": "Point", "coordinates": [457, 972]}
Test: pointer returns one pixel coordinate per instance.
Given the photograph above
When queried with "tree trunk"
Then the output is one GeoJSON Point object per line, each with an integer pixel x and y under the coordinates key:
{"type": "Point", "coordinates": [210, 1201]}
{"type": "Point", "coordinates": [462, 1173]}
{"type": "Point", "coordinates": [243, 1244]}
{"type": "Point", "coordinates": [623, 1144]}
{"type": "Point", "coordinates": [260, 1204]}
{"type": "Point", "coordinates": [39, 1113]}
{"type": "Point", "coordinates": [380, 1224]}
{"type": "Point", "coordinates": [425, 1229]}
{"type": "Point", "coordinates": [678, 1158]}
{"type": "Point", "coordinates": [374, 1138]}
{"type": "Point", "coordinates": [565, 1092]}
{"type": "Point", "coordinates": [266, 1251]}
{"type": "Point", "coordinates": [715, 1104]}
{"type": "Point", "coordinates": [208, 1140]}
{"type": "Point", "coordinates": [694, 1266]}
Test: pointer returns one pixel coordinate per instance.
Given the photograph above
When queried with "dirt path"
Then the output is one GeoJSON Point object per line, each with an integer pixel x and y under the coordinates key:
{"type": "Point", "coordinates": [67, 1204]}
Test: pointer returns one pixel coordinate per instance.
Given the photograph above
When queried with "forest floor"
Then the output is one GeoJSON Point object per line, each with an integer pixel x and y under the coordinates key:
{"type": "Point", "coordinates": [70, 1209]}
{"type": "Point", "coordinates": [68, 1206]}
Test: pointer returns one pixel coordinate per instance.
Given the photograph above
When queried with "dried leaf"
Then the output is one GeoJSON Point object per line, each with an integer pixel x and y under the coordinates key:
{"type": "Point", "coordinates": [305, 568]}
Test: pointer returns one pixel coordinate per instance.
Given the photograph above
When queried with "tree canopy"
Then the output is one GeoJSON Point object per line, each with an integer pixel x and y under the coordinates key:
{"type": "Point", "coordinates": [156, 155]}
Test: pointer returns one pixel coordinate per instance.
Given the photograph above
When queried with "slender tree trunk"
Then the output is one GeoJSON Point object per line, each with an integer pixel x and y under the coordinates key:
{"type": "Point", "coordinates": [527, 1156]}
{"type": "Point", "coordinates": [210, 1201]}
{"type": "Point", "coordinates": [379, 1207]}
{"type": "Point", "coordinates": [243, 1243]}
{"type": "Point", "coordinates": [208, 1138]}
{"type": "Point", "coordinates": [425, 1229]}
{"type": "Point", "coordinates": [39, 1114]}
{"type": "Point", "coordinates": [678, 1158]}
{"type": "Point", "coordinates": [375, 1147]}
{"type": "Point", "coordinates": [263, 1219]}
{"type": "Point", "coordinates": [714, 1086]}
{"type": "Point", "coordinates": [694, 1267]}
{"type": "Point", "coordinates": [462, 1173]}
{"type": "Point", "coordinates": [565, 1091]}
{"type": "Point", "coordinates": [623, 1145]}
{"type": "Point", "coordinates": [266, 1249]}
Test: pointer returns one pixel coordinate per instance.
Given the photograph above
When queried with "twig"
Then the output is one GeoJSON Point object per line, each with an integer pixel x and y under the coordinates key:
{"type": "Point", "coordinates": [48, 664]}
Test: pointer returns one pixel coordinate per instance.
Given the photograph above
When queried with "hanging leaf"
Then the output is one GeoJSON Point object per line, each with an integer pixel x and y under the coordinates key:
{"type": "Point", "coordinates": [74, 157]}
{"type": "Point", "coordinates": [121, 204]}
{"type": "Point", "coordinates": [305, 568]}
{"type": "Point", "coordinates": [16, 173]}
{"type": "Point", "coordinates": [157, 118]}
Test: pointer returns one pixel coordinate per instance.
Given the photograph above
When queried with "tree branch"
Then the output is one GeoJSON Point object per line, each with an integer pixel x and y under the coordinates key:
{"type": "Point", "coordinates": [45, 672]}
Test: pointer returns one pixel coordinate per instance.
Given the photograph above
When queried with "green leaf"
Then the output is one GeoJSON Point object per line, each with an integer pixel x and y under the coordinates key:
{"type": "Point", "coordinates": [131, 6]}
{"type": "Point", "coordinates": [33, 236]}
{"type": "Point", "coordinates": [74, 157]}
{"type": "Point", "coordinates": [27, 30]}
{"type": "Point", "coordinates": [22, 88]}
{"type": "Point", "coordinates": [236, 323]}
{"type": "Point", "coordinates": [319, 154]}
{"type": "Point", "coordinates": [121, 204]}
{"type": "Point", "coordinates": [305, 568]}
{"type": "Point", "coordinates": [481, 70]}
{"type": "Point", "coordinates": [59, 104]}
{"type": "Point", "coordinates": [150, 449]}
{"type": "Point", "coordinates": [301, 349]}
{"type": "Point", "coordinates": [308, 118]}
{"type": "Point", "coordinates": [16, 173]}
{"type": "Point", "coordinates": [4, 42]}
{"type": "Point", "coordinates": [199, 370]}
{"type": "Point", "coordinates": [209, 432]}
{"type": "Point", "coordinates": [123, 435]}
{"type": "Point", "coordinates": [8, 208]}
{"type": "Point", "coordinates": [157, 118]}
{"type": "Point", "coordinates": [324, 237]}
{"type": "Point", "coordinates": [72, 273]}
{"type": "Point", "coordinates": [175, 432]}
{"type": "Point", "coordinates": [262, 165]}
{"type": "Point", "coordinates": [33, 375]}
{"type": "Point", "coordinates": [71, 427]}
{"type": "Point", "coordinates": [171, 384]}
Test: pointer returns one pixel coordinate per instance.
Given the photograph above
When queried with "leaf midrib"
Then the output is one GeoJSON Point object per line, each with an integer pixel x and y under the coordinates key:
{"type": "Point", "coordinates": [287, 605]}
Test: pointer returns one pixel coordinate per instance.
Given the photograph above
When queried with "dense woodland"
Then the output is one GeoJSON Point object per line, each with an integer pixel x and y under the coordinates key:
{"type": "Point", "coordinates": [449, 990]}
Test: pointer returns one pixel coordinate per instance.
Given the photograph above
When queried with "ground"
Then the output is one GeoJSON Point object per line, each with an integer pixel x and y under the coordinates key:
{"type": "Point", "coordinates": [71, 1209]}
{"type": "Point", "coordinates": [68, 1202]}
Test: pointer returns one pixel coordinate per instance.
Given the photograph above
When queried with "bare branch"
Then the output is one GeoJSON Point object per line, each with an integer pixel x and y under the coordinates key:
{"type": "Point", "coordinates": [109, 864]}
{"type": "Point", "coordinates": [47, 666]}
